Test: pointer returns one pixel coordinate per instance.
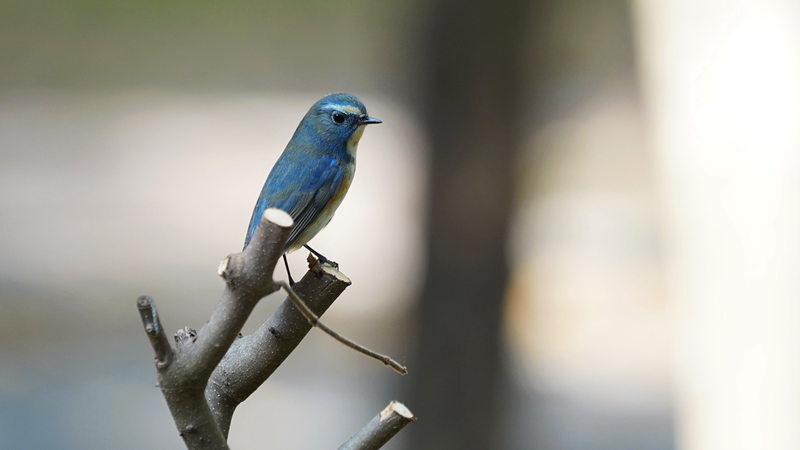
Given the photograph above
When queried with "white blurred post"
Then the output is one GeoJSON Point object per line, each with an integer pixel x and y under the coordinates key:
{"type": "Point", "coordinates": [722, 84]}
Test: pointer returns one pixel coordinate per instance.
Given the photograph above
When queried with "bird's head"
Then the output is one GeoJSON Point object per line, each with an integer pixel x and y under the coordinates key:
{"type": "Point", "coordinates": [339, 120]}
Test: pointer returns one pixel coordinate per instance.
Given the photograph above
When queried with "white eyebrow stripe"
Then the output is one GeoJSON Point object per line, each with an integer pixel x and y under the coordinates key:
{"type": "Point", "coordinates": [350, 109]}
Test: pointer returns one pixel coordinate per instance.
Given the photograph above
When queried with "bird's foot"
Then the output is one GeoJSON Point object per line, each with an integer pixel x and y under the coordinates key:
{"type": "Point", "coordinates": [322, 259]}
{"type": "Point", "coordinates": [325, 260]}
{"type": "Point", "coordinates": [315, 264]}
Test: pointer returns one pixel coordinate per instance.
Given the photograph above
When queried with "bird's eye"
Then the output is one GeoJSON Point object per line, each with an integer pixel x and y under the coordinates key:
{"type": "Point", "coordinates": [337, 117]}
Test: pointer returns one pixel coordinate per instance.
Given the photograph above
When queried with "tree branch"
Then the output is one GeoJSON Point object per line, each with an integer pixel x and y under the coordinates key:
{"type": "Point", "coordinates": [253, 358]}
{"type": "Point", "coordinates": [381, 428]}
{"type": "Point", "coordinates": [248, 278]}
{"type": "Point", "coordinates": [184, 373]}
{"type": "Point", "coordinates": [155, 332]}
{"type": "Point", "coordinates": [209, 372]}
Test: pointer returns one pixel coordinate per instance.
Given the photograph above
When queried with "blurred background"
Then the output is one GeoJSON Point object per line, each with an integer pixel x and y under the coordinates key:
{"type": "Point", "coordinates": [577, 224]}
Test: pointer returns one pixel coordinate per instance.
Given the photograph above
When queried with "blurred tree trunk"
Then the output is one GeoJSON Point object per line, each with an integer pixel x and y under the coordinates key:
{"type": "Point", "coordinates": [722, 84]}
{"type": "Point", "coordinates": [472, 111]}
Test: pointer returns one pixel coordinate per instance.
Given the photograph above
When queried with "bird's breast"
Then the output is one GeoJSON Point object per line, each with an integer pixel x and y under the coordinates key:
{"type": "Point", "coordinates": [327, 212]}
{"type": "Point", "coordinates": [352, 142]}
{"type": "Point", "coordinates": [336, 200]}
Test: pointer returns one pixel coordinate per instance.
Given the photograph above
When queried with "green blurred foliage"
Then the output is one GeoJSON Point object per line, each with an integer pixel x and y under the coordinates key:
{"type": "Point", "coordinates": [240, 44]}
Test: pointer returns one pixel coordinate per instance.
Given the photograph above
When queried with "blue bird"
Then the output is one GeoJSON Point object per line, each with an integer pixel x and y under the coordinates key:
{"type": "Point", "coordinates": [315, 170]}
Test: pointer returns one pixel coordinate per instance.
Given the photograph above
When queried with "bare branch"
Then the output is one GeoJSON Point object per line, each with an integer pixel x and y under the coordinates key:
{"type": "Point", "coordinates": [189, 409]}
{"type": "Point", "coordinates": [193, 418]}
{"type": "Point", "coordinates": [248, 278]}
{"type": "Point", "coordinates": [209, 372]}
{"type": "Point", "coordinates": [253, 358]}
{"type": "Point", "coordinates": [313, 319]}
{"type": "Point", "coordinates": [381, 428]}
{"type": "Point", "coordinates": [155, 332]}
{"type": "Point", "coordinates": [184, 373]}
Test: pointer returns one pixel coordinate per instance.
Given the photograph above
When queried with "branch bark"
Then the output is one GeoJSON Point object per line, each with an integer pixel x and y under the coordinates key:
{"type": "Point", "coordinates": [253, 358]}
{"type": "Point", "coordinates": [155, 332]}
{"type": "Point", "coordinates": [184, 373]}
{"type": "Point", "coordinates": [381, 428]}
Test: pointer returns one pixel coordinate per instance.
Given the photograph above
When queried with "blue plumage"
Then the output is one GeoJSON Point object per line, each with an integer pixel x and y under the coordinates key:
{"type": "Point", "coordinates": [315, 169]}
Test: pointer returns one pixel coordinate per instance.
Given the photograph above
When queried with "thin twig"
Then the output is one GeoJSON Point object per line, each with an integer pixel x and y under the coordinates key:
{"type": "Point", "coordinates": [315, 322]}
{"type": "Point", "coordinates": [381, 428]}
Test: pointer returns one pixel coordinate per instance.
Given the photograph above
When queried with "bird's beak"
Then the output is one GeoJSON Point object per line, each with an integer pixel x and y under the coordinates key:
{"type": "Point", "coordinates": [366, 120]}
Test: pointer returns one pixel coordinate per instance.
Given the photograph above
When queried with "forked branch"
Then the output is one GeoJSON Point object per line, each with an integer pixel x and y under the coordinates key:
{"type": "Point", "coordinates": [253, 358]}
{"type": "Point", "coordinates": [183, 373]}
{"type": "Point", "coordinates": [206, 374]}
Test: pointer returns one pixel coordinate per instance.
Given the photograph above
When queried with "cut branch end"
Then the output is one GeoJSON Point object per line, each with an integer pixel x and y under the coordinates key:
{"type": "Point", "coordinates": [222, 269]}
{"type": "Point", "coordinates": [396, 407]}
{"type": "Point", "coordinates": [381, 428]}
{"type": "Point", "coordinates": [278, 217]}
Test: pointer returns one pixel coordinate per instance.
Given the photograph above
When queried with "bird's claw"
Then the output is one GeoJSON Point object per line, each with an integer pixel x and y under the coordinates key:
{"type": "Point", "coordinates": [315, 263]}
{"type": "Point", "coordinates": [322, 259]}
{"type": "Point", "coordinates": [325, 260]}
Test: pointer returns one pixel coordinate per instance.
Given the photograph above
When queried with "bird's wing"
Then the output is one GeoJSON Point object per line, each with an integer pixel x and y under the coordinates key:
{"type": "Point", "coordinates": [301, 186]}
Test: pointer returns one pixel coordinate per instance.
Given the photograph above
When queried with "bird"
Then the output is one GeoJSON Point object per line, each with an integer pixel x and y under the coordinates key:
{"type": "Point", "coordinates": [311, 177]}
